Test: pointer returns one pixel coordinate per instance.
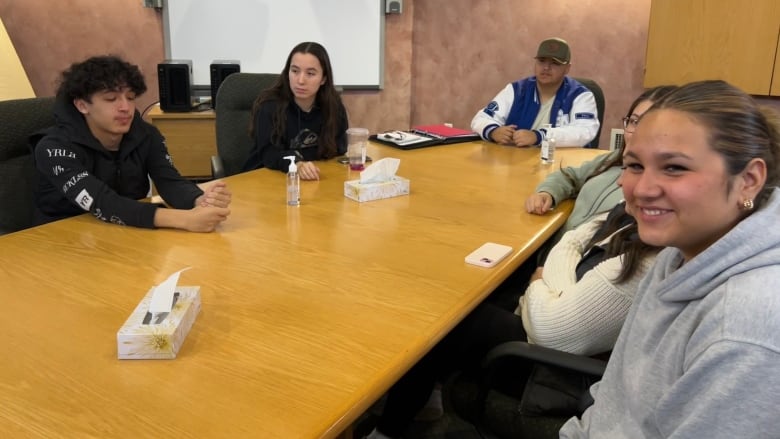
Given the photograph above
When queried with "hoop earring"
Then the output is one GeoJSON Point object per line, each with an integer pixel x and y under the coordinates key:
{"type": "Point", "coordinates": [748, 204]}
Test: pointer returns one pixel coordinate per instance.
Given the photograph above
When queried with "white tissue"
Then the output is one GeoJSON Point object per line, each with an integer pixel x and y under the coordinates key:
{"type": "Point", "coordinates": [162, 297]}
{"type": "Point", "coordinates": [380, 171]}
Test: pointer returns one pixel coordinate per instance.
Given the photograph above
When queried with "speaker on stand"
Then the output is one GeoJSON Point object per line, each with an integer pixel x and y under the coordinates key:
{"type": "Point", "coordinates": [220, 69]}
{"type": "Point", "coordinates": [175, 85]}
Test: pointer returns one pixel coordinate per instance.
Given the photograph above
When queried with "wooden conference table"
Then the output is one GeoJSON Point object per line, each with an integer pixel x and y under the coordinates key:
{"type": "Point", "coordinates": [309, 314]}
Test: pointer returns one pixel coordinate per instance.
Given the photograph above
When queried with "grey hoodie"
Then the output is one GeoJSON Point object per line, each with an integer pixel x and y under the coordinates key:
{"type": "Point", "coordinates": [699, 354]}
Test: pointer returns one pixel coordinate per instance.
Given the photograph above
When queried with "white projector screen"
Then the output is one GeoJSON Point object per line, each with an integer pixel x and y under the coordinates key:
{"type": "Point", "coordinates": [261, 33]}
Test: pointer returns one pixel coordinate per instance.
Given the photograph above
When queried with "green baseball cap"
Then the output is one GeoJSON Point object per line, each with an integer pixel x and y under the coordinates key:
{"type": "Point", "coordinates": [556, 49]}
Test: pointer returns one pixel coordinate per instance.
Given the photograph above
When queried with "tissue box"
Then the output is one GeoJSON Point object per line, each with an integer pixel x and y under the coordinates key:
{"type": "Point", "coordinates": [394, 187]}
{"type": "Point", "coordinates": [136, 340]}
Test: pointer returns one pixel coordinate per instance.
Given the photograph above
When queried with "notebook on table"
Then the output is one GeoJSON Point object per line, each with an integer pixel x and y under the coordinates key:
{"type": "Point", "coordinates": [422, 136]}
{"type": "Point", "coordinates": [405, 139]}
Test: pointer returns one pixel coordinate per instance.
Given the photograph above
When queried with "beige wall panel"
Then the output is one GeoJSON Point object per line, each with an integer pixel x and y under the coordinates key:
{"type": "Point", "coordinates": [13, 79]}
{"type": "Point", "coordinates": [691, 40]}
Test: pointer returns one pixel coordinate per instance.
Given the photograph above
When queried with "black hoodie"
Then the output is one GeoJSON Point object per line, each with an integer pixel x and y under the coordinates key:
{"type": "Point", "coordinates": [76, 173]}
{"type": "Point", "coordinates": [300, 139]}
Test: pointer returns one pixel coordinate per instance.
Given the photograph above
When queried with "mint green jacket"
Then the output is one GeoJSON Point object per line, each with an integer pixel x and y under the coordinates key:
{"type": "Point", "coordinates": [594, 196]}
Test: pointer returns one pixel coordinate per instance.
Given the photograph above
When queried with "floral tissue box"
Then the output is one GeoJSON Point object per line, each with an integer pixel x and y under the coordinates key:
{"type": "Point", "coordinates": [358, 191]}
{"type": "Point", "coordinates": [148, 335]}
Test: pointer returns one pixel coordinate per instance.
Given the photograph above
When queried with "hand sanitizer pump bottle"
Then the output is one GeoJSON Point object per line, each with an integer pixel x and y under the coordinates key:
{"type": "Point", "coordinates": [548, 145]}
{"type": "Point", "coordinates": [293, 183]}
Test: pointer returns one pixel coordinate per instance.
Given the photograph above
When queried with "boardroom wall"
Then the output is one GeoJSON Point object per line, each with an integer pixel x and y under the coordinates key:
{"type": "Point", "coordinates": [443, 59]}
{"type": "Point", "coordinates": [49, 36]}
{"type": "Point", "coordinates": [466, 52]}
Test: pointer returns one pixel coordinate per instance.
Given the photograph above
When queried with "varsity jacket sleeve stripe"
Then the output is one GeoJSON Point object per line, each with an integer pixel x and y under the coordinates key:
{"type": "Point", "coordinates": [494, 114]}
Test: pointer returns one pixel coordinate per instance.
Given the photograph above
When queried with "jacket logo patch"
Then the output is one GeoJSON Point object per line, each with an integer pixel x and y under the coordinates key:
{"type": "Point", "coordinates": [305, 138]}
{"type": "Point", "coordinates": [491, 108]}
{"type": "Point", "coordinates": [57, 152]}
{"type": "Point", "coordinates": [84, 199]}
{"type": "Point", "coordinates": [69, 183]}
{"type": "Point", "coordinates": [584, 116]}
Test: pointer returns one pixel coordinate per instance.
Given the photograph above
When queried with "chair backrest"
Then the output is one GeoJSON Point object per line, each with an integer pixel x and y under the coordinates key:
{"type": "Point", "coordinates": [235, 97]}
{"type": "Point", "coordinates": [598, 93]}
{"type": "Point", "coordinates": [19, 118]}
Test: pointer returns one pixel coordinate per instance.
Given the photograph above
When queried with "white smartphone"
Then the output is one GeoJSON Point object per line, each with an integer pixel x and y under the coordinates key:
{"type": "Point", "coordinates": [489, 254]}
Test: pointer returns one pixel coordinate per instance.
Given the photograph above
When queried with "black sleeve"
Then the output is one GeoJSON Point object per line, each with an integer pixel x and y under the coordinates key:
{"type": "Point", "coordinates": [177, 191]}
{"type": "Point", "coordinates": [264, 152]}
{"type": "Point", "coordinates": [341, 138]}
{"type": "Point", "coordinates": [62, 164]}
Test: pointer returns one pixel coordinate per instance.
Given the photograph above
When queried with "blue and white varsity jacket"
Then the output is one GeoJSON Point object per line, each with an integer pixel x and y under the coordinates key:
{"type": "Point", "coordinates": [573, 111]}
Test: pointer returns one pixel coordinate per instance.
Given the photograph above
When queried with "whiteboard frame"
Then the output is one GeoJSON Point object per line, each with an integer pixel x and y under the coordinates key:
{"type": "Point", "coordinates": [199, 84]}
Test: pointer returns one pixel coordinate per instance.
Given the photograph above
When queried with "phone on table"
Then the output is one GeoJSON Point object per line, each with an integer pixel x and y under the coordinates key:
{"type": "Point", "coordinates": [489, 254]}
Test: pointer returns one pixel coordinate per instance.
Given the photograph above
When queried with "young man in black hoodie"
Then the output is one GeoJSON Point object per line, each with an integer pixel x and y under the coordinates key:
{"type": "Point", "coordinates": [100, 155]}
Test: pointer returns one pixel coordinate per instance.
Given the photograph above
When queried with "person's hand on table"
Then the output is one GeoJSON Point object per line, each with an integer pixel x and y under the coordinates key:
{"type": "Point", "coordinates": [215, 193]}
{"type": "Point", "coordinates": [523, 138]}
{"type": "Point", "coordinates": [308, 171]}
{"type": "Point", "coordinates": [539, 203]}
{"type": "Point", "coordinates": [205, 218]}
{"type": "Point", "coordinates": [503, 135]}
{"type": "Point", "coordinates": [197, 219]}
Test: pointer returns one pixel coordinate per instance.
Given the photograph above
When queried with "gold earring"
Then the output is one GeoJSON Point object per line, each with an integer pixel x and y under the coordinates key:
{"type": "Point", "coordinates": [748, 204]}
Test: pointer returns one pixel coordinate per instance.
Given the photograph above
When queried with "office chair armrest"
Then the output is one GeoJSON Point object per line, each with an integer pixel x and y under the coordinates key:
{"type": "Point", "coordinates": [217, 167]}
{"type": "Point", "coordinates": [552, 357]}
{"type": "Point", "coordinates": [522, 350]}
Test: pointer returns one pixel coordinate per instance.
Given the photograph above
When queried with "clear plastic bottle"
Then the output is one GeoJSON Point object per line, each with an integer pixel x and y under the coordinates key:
{"type": "Point", "coordinates": [548, 145]}
{"type": "Point", "coordinates": [293, 183]}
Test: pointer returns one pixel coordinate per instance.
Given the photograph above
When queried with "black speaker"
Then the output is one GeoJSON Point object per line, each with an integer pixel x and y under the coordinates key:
{"type": "Point", "coordinates": [175, 81]}
{"type": "Point", "coordinates": [220, 69]}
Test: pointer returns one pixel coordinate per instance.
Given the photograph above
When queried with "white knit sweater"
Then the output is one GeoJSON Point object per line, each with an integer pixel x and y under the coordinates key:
{"type": "Point", "coordinates": [582, 317]}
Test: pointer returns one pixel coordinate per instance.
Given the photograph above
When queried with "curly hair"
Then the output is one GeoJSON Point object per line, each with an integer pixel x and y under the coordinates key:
{"type": "Point", "coordinates": [83, 79]}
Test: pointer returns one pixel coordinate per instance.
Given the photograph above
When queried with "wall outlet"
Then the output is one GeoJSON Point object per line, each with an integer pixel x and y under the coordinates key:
{"type": "Point", "coordinates": [616, 139]}
{"type": "Point", "coordinates": [394, 6]}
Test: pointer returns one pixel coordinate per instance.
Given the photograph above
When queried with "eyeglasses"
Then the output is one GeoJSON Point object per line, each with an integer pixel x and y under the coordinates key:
{"type": "Point", "coordinates": [630, 123]}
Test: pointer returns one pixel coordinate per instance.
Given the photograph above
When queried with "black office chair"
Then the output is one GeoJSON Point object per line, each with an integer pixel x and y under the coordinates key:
{"type": "Point", "coordinates": [535, 405]}
{"type": "Point", "coordinates": [598, 94]}
{"type": "Point", "coordinates": [19, 118]}
{"type": "Point", "coordinates": [235, 97]}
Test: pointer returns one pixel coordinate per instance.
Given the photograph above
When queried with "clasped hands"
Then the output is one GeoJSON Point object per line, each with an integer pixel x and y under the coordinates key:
{"type": "Point", "coordinates": [510, 135]}
{"type": "Point", "coordinates": [211, 208]}
{"type": "Point", "coordinates": [215, 194]}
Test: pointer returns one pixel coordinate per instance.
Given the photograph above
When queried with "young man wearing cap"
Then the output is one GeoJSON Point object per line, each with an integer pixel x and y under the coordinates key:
{"type": "Point", "coordinates": [517, 114]}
